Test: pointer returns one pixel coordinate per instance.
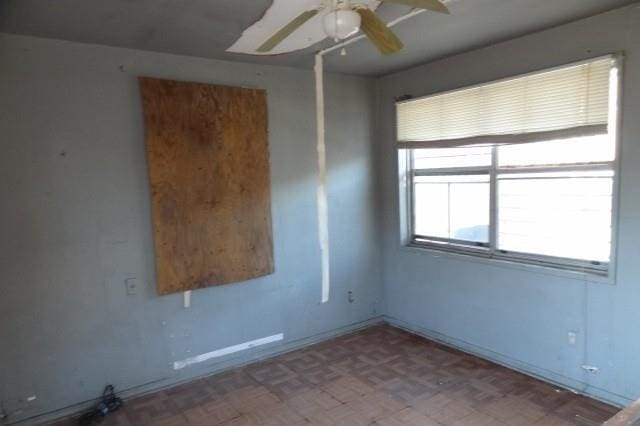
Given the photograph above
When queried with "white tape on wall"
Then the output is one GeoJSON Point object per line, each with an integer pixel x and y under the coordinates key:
{"type": "Point", "coordinates": [323, 212]}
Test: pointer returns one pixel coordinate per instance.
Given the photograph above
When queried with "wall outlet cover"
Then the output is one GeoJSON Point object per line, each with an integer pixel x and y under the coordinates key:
{"type": "Point", "coordinates": [131, 286]}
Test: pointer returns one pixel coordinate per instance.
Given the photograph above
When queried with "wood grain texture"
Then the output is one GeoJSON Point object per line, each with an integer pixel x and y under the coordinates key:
{"type": "Point", "coordinates": [208, 161]}
{"type": "Point", "coordinates": [630, 416]}
{"type": "Point", "coordinates": [378, 33]}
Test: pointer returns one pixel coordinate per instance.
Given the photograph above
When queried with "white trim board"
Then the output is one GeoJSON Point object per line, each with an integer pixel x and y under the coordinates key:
{"type": "Point", "coordinates": [178, 365]}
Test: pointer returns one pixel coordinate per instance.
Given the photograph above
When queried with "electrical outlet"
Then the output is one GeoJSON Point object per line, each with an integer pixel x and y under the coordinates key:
{"type": "Point", "coordinates": [350, 297]}
{"type": "Point", "coordinates": [572, 338]}
{"type": "Point", "coordinates": [132, 286]}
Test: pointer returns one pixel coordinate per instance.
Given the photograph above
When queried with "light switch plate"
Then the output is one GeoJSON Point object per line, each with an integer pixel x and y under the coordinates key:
{"type": "Point", "coordinates": [132, 286]}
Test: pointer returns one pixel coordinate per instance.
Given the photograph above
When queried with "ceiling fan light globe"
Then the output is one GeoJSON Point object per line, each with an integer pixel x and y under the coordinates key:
{"type": "Point", "coordinates": [340, 24]}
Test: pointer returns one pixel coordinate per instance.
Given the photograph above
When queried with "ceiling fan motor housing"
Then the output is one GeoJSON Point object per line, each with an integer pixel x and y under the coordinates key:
{"type": "Point", "coordinates": [341, 22]}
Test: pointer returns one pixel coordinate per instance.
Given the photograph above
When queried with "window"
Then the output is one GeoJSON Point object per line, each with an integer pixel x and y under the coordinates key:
{"type": "Point", "coordinates": [521, 170]}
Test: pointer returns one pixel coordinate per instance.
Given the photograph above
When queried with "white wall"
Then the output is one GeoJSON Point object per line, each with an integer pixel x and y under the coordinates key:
{"type": "Point", "coordinates": [519, 316]}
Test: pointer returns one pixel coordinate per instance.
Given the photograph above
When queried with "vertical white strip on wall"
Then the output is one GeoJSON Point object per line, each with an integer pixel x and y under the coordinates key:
{"type": "Point", "coordinates": [187, 299]}
{"type": "Point", "coordinates": [323, 212]}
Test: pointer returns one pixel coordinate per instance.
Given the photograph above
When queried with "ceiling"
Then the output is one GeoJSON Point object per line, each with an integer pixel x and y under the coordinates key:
{"type": "Point", "coordinates": [206, 28]}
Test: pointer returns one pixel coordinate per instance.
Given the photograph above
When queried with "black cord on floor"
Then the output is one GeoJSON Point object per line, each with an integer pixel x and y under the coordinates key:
{"type": "Point", "coordinates": [110, 403]}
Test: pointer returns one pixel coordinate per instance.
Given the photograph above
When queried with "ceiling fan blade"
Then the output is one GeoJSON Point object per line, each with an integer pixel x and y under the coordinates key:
{"type": "Point", "coordinates": [433, 5]}
{"type": "Point", "coordinates": [378, 32]}
{"type": "Point", "coordinates": [286, 31]}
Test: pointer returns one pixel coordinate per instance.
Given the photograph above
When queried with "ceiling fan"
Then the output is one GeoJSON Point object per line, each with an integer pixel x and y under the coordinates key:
{"type": "Point", "coordinates": [344, 18]}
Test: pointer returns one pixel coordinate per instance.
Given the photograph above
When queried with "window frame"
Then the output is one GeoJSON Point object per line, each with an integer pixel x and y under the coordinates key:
{"type": "Point", "coordinates": [490, 251]}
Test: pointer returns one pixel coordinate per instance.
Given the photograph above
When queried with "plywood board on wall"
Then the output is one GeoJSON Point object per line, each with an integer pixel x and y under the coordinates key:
{"type": "Point", "coordinates": [208, 161]}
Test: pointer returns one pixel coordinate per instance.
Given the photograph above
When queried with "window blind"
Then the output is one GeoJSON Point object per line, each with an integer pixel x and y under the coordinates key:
{"type": "Point", "coordinates": [561, 103]}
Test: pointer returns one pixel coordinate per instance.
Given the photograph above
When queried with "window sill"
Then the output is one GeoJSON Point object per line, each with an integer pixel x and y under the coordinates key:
{"type": "Point", "coordinates": [513, 264]}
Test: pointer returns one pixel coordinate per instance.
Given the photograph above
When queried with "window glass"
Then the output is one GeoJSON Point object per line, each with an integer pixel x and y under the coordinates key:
{"type": "Point", "coordinates": [454, 207]}
{"type": "Point", "coordinates": [564, 214]}
{"type": "Point", "coordinates": [600, 148]}
{"type": "Point", "coordinates": [548, 202]}
{"type": "Point", "coordinates": [451, 157]}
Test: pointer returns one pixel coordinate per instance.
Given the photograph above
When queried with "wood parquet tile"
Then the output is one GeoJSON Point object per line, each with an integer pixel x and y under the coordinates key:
{"type": "Point", "coordinates": [379, 376]}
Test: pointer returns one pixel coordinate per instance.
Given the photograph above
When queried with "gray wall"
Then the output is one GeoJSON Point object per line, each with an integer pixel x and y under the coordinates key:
{"type": "Point", "coordinates": [75, 223]}
{"type": "Point", "coordinates": [516, 315]}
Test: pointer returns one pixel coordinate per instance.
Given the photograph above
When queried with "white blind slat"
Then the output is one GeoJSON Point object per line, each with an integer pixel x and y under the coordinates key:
{"type": "Point", "coordinates": [573, 99]}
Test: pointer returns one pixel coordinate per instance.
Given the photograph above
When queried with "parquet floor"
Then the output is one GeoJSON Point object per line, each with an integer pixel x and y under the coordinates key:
{"type": "Point", "coordinates": [377, 376]}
